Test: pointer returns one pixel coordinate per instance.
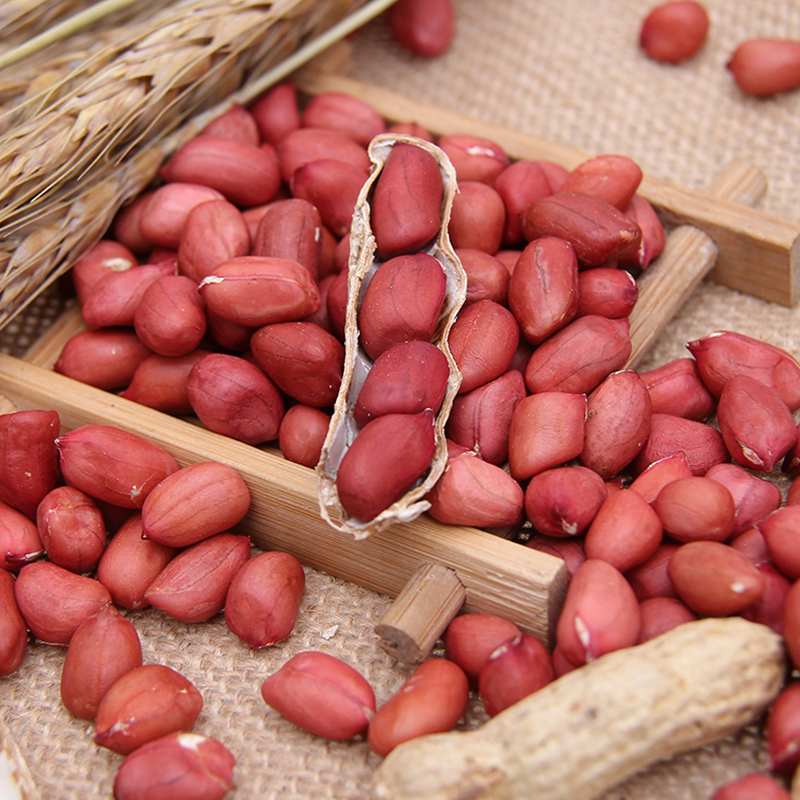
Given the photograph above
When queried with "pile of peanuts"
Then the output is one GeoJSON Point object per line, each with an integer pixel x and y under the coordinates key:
{"type": "Point", "coordinates": [223, 294]}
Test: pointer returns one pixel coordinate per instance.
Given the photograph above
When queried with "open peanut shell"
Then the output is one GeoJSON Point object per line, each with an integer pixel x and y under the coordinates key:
{"type": "Point", "coordinates": [357, 364]}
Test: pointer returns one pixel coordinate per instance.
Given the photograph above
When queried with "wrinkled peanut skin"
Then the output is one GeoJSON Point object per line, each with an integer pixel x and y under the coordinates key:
{"type": "Point", "coordinates": [676, 388]}
{"type": "Point", "coordinates": [432, 700]}
{"type": "Point", "coordinates": [753, 497]}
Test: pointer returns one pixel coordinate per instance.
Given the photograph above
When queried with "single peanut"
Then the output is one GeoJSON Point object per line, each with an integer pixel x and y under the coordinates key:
{"type": "Point", "coordinates": [432, 700]}
{"type": "Point", "coordinates": [625, 532]}
{"type": "Point", "coordinates": [674, 31]}
{"type": "Point", "coordinates": [302, 434]}
{"type": "Point", "coordinates": [345, 113]}
{"type": "Point", "coordinates": [277, 112]}
{"type": "Point", "coordinates": [130, 563]}
{"type": "Point", "coordinates": [305, 145]}
{"type": "Point", "coordinates": [28, 458]}
{"type": "Point", "coordinates": [478, 217]}
{"type": "Point", "coordinates": [125, 227]}
{"type": "Point", "coordinates": [769, 608]}
{"type": "Point", "coordinates": [676, 388]}
{"type": "Point", "coordinates": [782, 730]}
{"type": "Point", "coordinates": [263, 600]}
{"type": "Point", "coordinates": [607, 292]}
{"type": "Point", "coordinates": [471, 638]}
{"type": "Point", "coordinates": [781, 530]}
{"type": "Point", "coordinates": [658, 474]}
{"type": "Point", "coordinates": [13, 628]}
{"type": "Point", "coordinates": [370, 477]}
{"type": "Point", "coordinates": [290, 228]}
{"type": "Point", "coordinates": [233, 397]}
{"type": "Point", "coordinates": [754, 498]}
{"type": "Point", "coordinates": [113, 465]}
{"type": "Point", "coordinates": [236, 123]}
{"type": "Point", "coordinates": [103, 258]}
{"type": "Point", "coordinates": [144, 704]}
{"type": "Point", "coordinates": [425, 29]}
{"type": "Point", "coordinates": [487, 276]}
{"type": "Point", "coordinates": [563, 501]}
{"type": "Point", "coordinates": [474, 158]}
{"type": "Point", "coordinates": [55, 601]}
{"type": "Point", "coordinates": [662, 614]}
{"type": "Point", "coordinates": [609, 177]}
{"type": "Point", "coordinates": [713, 579]}
{"type": "Point", "coordinates": [514, 670]}
{"type": "Point", "coordinates": [406, 202]}
{"type": "Point", "coordinates": [178, 765]}
{"type": "Point", "coordinates": [763, 67]}
{"type": "Point", "coordinates": [520, 184]}
{"type": "Point", "coordinates": [654, 237]}
{"type": "Point", "coordinates": [571, 551]}
{"type": "Point", "coordinates": [696, 508]}
{"type": "Point", "coordinates": [651, 577]}
{"type": "Point", "coordinates": [753, 544]}
{"type": "Point", "coordinates": [193, 585]}
{"type": "Point", "coordinates": [321, 694]}
{"type": "Point", "coordinates": [103, 648]}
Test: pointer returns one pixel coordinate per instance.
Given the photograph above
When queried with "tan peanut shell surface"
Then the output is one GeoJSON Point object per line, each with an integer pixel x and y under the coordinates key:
{"type": "Point", "coordinates": [363, 263]}
{"type": "Point", "coordinates": [601, 723]}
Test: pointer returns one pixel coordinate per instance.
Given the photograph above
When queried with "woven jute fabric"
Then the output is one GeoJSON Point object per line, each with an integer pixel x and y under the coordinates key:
{"type": "Point", "coordinates": [569, 72]}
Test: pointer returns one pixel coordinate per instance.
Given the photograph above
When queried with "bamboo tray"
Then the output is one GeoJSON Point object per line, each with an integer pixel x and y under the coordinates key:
{"type": "Point", "coordinates": [713, 233]}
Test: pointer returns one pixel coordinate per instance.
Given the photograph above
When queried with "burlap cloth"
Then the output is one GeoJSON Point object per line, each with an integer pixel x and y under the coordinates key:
{"type": "Point", "coordinates": [566, 71]}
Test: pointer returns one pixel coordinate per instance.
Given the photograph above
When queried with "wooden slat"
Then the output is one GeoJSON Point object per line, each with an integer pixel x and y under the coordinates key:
{"type": "Point", "coordinates": [759, 253]}
{"type": "Point", "coordinates": [500, 577]}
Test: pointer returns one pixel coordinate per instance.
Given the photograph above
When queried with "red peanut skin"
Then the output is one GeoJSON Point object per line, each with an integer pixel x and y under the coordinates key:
{"type": "Point", "coordinates": [781, 532]}
{"type": "Point", "coordinates": [676, 388]}
{"type": "Point", "coordinates": [412, 129]}
{"type": "Point", "coordinates": [597, 231]}
{"type": "Point", "coordinates": [333, 187]}
{"type": "Point", "coordinates": [654, 237]}
{"type": "Point", "coordinates": [609, 177]}
{"type": "Point", "coordinates": [105, 257]}
{"type": "Point", "coordinates": [277, 112]}
{"type": "Point", "coordinates": [543, 289]}
{"type": "Point", "coordinates": [106, 359]}
{"type": "Point", "coordinates": [263, 600]}
{"type": "Point", "coordinates": [194, 503]}
{"type": "Point", "coordinates": [19, 539]}
{"type": "Point", "coordinates": [480, 420]}
{"type": "Point", "coordinates": [402, 301]}
{"type": "Point", "coordinates": [483, 340]}
{"type": "Point", "coordinates": [723, 354]}
{"type": "Point", "coordinates": [753, 497]}
{"type": "Point", "coordinates": [130, 563]}
{"type": "Point", "coordinates": [768, 609]}
{"type": "Point", "coordinates": [513, 671]}
{"type": "Point", "coordinates": [13, 629]}
{"type": "Point", "coordinates": [260, 290]}
{"type": "Point", "coordinates": [753, 544]}
{"type": "Point", "coordinates": [160, 382]}
{"type": "Point", "coordinates": [580, 356]}
{"type": "Point", "coordinates": [756, 424]}
{"type": "Point", "coordinates": [478, 217]}
{"type": "Point", "coordinates": [696, 508]}
{"type": "Point", "coordinates": [563, 501]}
{"type": "Point", "coordinates": [370, 478]}
{"type": "Point", "coordinates": [193, 585]}
{"type": "Point", "coordinates": [125, 228]}
{"type": "Point", "coordinates": [674, 31]}
{"type": "Point", "coordinates": [347, 114]}
{"type": "Point", "coordinates": [487, 276]}
{"type": "Point", "coordinates": [606, 291]}
{"type": "Point", "coordinates": [303, 360]}
{"type": "Point", "coordinates": [617, 423]}
{"type": "Point", "coordinates": [305, 145]}
{"type": "Point", "coordinates": [146, 703]}
{"type": "Point", "coordinates": [570, 551]}
{"type": "Point", "coordinates": [755, 784]}
{"type": "Point", "coordinates": [233, 397]}
{"type": "Point", "coordinates": [236, 123]}
{"type": "Point", "coordinates": [424, 28]}
{"type": "Point", "coordinates": [701, 444]}
{"type": "Point", "coordinates": [405, 379]}
{"type": "Point", "coordinates": [113, 465]}
{"type": "Point", "coordinates": [474, 158]}
{"type": "Point", "coordinates": [170, 318]}
{"type": "Point", "coordinates": [291, 228]}
{"type": "Point", "coordinates": [71, 528]}
{"type": "Point", "coordinates": [201, 768]}
{"type": "Point", "coordinates": [103, 648]}
{"type": "Point", "coordinates": [245, 174]}
{"type": "Point", "coordinates": [651, 577]}
{"type": "Point", "coordinates": [791, 623]}
{"type": "Point", "coordinates": [475, 493]}
{"type": "Point", "coordinates": [432, 700]}
{"type": "Point", "coordinates": [302, 434]}
{"type": "Point", "coordinates": [658, 474]}
{"type": "Point", "coordinates": [28, 458]}
{"type": "Point", "coordinates": [546, 430]}
{"type": "Point", "coordinates": [782, 731]}
{"type": "Point", "coordinates": [520, 184]}
{"type": "Point", "coordinates": [114, 298]}
{"type": "Point", "coordinates": [713, 579]}
{"type": "Point", "coordinates": [405, 212]}
{"type": "Point", "coordinates": [321, 694]}
{"type": "Point", "coordinates": [625, 532]}
{"type": "Point", "coordinates": [55, 601]}
{"type": "Point", "coordinates": [600, 613]}
{"type": "Point", "coordinates": [163, 216]}
{"type": "Point", "coordinates": [471, 638]}
{"type": "Point", "coordinates": [662, 614]}
{"type": "Point", "coordinates": [763, 67]}
{"type": "Point", "coordinates": [214, 232]}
